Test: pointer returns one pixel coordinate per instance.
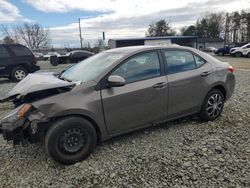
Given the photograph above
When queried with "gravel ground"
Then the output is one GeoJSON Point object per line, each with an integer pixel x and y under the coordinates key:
{"type": "Point", "coordinates": [237, 62]}
{"type": "Point", "coordinates": [181, 153]}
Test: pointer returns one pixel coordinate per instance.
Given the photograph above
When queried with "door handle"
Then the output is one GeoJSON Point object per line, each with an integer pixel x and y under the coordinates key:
{"type": "Point", "coordinates": [206, 73]}
{"type": "Point", "coordinates": [160, 85]}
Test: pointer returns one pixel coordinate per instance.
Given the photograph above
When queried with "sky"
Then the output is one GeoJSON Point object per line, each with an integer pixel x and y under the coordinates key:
{"type": "Point", "coordinates": [117, 18]}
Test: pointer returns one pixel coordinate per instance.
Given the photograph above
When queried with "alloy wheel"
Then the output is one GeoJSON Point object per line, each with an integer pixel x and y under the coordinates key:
{"type": "Point", "coordinates": [20, 74]}
{"type": "Point", "coordinates": [214, 105]}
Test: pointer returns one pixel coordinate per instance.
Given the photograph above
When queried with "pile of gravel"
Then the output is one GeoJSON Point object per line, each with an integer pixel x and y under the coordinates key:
{"type": "Point", "coordinates": [181, 153]}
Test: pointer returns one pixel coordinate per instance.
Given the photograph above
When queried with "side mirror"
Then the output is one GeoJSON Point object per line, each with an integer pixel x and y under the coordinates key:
{"type": "Point", "coordinates": [116, 81]}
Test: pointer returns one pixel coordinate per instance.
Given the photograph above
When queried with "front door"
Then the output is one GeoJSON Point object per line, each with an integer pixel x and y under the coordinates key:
{"type": "Point", "coordinates": [142, 101]}
{"type": "Point", "coordinates": [5, 60]}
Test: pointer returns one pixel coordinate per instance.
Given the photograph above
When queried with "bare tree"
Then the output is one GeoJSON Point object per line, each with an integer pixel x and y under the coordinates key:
{"type": "Point", "coordinates": [99, 43]}
{"type": "Point", "coordinates": [9, 33]}
{"type": "Point", "coordinates": [33, 35]}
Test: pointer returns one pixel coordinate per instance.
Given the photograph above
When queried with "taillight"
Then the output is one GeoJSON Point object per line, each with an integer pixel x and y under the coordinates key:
{"type": "Point", "coordinates": [230, 69]}
{"type": "Point", "coordinates": [34, 60]}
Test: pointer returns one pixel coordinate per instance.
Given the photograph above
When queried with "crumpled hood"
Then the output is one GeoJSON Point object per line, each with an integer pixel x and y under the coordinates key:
{"type": "Point", "coordinates": [36, 82]}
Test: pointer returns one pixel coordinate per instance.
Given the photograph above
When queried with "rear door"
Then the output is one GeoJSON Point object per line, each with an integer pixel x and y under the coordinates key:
{"type": "Point", "coordinates": [22, 55]}
{"type": "Point", "coordinates": [188, 76]}
{"type": "Point", "coordinates": [142, 101]}
{"type": "Point", "coordinates": [5, 60]}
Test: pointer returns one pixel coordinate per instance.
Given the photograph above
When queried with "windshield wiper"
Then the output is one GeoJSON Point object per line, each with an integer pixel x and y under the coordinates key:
{"type": "Point", "coordinates": [65, 79]}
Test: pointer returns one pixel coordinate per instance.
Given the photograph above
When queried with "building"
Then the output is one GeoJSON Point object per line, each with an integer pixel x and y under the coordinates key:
{"type": "Point", "coordinates": [190, 41]}
{"type": "Point", "coordinates": [204, 43]}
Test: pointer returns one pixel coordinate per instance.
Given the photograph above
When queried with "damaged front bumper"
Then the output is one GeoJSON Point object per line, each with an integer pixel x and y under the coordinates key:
{"type": "Point", "coordinates": [25, 128]}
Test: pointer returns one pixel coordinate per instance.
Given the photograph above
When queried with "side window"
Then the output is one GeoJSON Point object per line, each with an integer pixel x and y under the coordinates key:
{"type": "Point", "coordinates": [199, 61]}
{"type": "Point", "coordinates": [248, 46]}
{"type": "Point", "coordinates": [179, 61]}
{"type": "Point", "coordinates": [140, 67]}
{"type": "Point", "coordinates": [4, 52]}
{"type": "Point", "coordinates": [20, 50]}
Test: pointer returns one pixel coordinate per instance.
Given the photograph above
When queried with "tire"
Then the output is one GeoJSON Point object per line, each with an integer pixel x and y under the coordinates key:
{"type": "Point", "coordinates": [212, 105]}
{"type": "Point", "coordinates": [248, 55]}
{"type": "Point", "coordinates": [221, 54]}
{"type": "Point", "coordinates": [70, 140]}
{"type": "Point", "coordinates": [18, 73]}
{"type": "Point", "coordinates": [238, 54]}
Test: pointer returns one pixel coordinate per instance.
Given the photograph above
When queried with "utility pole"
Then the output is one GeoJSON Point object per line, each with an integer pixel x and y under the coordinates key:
{"type": "Point", "coordinates": [170, 22]}
{"type": "Point", "coordinates": [80, 31]}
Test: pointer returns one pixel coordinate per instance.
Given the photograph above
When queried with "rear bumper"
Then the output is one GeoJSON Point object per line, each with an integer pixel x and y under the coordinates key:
{"type": "Point", "coordinates": [34, 68]}
{"type": "Point", "coordinates": [230, 84]}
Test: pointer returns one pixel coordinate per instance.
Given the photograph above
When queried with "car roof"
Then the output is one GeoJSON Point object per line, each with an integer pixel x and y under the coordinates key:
{"type": "Point", "coordinates": [134, 49]}
{"type": "Point", "coordinates": [12, 45]}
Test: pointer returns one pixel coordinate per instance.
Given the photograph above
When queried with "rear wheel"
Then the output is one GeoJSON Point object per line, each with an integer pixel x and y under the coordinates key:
{"type": "Point", "coordinates": [18, 73]}
{"type": "Point", "coordinates": [248, 55]}
{"type": "Point", "coordinates": [212, 105]}
{"type": "Point", "coordinates": [70, 140]}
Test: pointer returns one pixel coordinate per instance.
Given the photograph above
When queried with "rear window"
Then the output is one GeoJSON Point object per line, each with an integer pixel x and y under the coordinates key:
{"type": "Point", "coordinates": [21, 50]}
{"type": "Point", "coordinates": [4, 52]}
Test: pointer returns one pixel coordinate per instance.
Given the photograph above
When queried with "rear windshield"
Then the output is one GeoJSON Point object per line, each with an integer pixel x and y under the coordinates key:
{"type": "Point", "coordinates": [21, 50]}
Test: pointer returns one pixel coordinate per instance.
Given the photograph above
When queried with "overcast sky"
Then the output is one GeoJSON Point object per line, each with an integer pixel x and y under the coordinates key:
{"type": "Point", "coordinates": [117, 18]}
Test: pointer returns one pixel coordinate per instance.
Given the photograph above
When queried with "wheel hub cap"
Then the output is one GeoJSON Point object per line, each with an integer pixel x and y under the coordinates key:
{"type": "Point", "coordinates": [20, 74]}
{"type": "Point", "coordinates": [72, 140]}
{"type": "Point", "coordinates": [214, 105]}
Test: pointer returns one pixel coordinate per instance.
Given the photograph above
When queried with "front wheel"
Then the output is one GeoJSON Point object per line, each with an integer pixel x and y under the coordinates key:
{"type": "Point", "coordinates": [18, 73]}
{"type": "Point", "coordinates": [70, 140]}
{"type": "Point", "coordinates": [238, 54]}
{"type": "Point", "coordinates": [212, 105]}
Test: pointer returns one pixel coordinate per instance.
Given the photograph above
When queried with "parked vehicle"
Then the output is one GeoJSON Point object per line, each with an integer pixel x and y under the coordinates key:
{"type": "Point", "coordinates": [226, 49]}
{"type": "Point", "coordinates": [115, 92]}
{"type": "Point", "coordinates": [38, 56]}
{"type": "Point", "coordinates": [16, 61]}
{"type": "Point", "coordinates": [74, 56]}
{"type": "Point", "coordinates": [48, 55]}
{"type": "Point", "coordinates": [242, 51]}
{"type": "Point", "coordinates": [210, 49]}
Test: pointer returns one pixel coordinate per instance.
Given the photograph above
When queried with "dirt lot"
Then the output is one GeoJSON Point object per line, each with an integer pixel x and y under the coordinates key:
{"type": "Point", "coordinates": [182, 153]}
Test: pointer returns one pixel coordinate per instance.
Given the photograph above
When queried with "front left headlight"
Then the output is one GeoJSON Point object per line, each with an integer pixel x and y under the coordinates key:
{"type": "Point", "coordinates": [15, 118]}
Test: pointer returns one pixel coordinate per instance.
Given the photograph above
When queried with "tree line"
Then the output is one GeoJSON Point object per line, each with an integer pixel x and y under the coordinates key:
{"type": "Point", "coordinates": [32, 35]}
{"type": "Point", "coordinates": [232, 27]}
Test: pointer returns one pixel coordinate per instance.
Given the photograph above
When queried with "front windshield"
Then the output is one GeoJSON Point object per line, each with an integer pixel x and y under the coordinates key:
{"type": "Point", "coordinates": [92, 67]}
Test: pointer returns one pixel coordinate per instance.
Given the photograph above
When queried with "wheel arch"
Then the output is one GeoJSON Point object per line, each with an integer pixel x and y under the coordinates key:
{"type": "Point", "coordinates": [91, 120]}
{"type": "Point", "coordinates": [221, 88]}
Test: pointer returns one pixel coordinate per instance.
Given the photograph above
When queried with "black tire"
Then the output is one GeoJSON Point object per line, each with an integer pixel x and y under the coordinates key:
{"type": "Point", "coordinates": [248, 55]}
{"type": "Point", "coordinates": [221, 54]}
{"type": "Point", "coordinates": [238, 54]}
{"type": "Point", "coordinates": [70, 140]}
{"type": "Point", "coordinates": [207, 108]}
{"type": "Point", "coordinates": [18, 73]}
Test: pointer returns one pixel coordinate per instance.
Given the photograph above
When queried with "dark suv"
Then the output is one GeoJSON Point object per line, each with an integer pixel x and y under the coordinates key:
{"type": "Point", "coordinates": [16, 61]}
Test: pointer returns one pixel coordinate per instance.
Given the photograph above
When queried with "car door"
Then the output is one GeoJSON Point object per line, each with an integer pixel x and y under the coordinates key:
{"type": "Point", "coordinates": [142, 100]}
{"type": "Point", "coordinates": [5, 60]}
{"type": "Point", "coordinates": [188, 76]}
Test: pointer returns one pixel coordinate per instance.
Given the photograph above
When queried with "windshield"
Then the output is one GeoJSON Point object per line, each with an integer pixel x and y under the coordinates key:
{"type": "Point", "coordinates": [92, 67]}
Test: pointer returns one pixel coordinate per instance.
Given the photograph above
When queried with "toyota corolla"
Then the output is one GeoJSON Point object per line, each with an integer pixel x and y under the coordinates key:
{"type": "Point", "coordinates": [115, 92]}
